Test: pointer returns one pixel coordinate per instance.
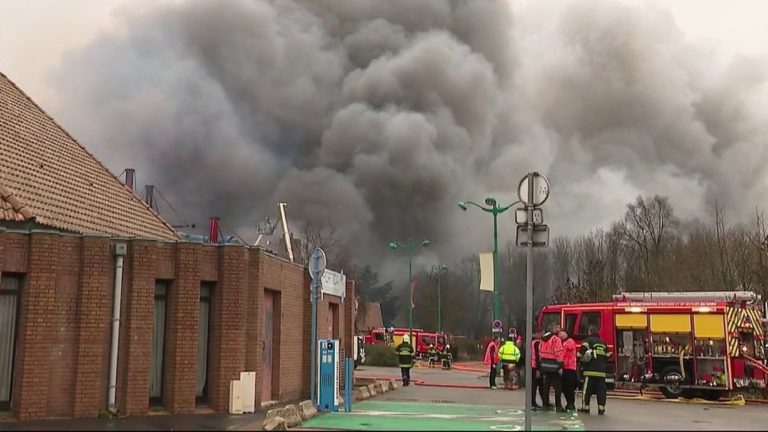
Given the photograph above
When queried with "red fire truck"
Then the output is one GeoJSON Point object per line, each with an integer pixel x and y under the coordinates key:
{"type": "Point", "coordinates": [682, 343]}
{"type": "Point", "coordinates": [394, 335]}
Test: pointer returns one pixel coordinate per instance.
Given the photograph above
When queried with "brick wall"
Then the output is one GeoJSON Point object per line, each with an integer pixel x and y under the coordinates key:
{"type": "Point", "coordinates": [228, 330]}
{"type": "Point", "coordinates": [65, 317]}
{"type": "Point", "coordinates": [181, 340]}
{"type": "Point", "coordinates": [35, 333]}
{"type": "Point", "coordinates": [94, 303]}
{"type": "Point", "coordinates": [289, 281]}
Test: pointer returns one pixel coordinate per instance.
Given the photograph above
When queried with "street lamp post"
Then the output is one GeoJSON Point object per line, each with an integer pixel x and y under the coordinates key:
{"type": "Point", "coordinates": [410, 249]}
{"type": "Point", "coordinates": [495, 209]}
{"type": "Point", "coordinates": [439, 269]}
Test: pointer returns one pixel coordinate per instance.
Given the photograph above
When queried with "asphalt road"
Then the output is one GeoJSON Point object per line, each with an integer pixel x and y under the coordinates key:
{"type": "Point", "coordinates": [621, 414]}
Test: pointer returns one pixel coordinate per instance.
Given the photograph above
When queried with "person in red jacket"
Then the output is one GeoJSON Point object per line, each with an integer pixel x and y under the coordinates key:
{"type": "Point", "coordinates": [536, 380]}
{"type": "Point", "coordinates": [569, 370]}
{"type": "Point", "coordinates": [493, 359]}
{"type": "Point", "coordinates": [551, 366]}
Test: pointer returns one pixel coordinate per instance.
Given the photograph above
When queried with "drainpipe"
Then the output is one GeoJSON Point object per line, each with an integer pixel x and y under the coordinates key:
{"type": "Point", "coordinates": [120, 250]}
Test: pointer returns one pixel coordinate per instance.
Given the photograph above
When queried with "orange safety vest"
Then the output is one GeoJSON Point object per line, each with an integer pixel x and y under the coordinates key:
{"type": "Point", "coordinates": [551, 349]}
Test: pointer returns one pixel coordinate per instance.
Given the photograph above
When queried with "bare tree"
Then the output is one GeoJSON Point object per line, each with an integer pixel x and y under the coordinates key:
{"type": "Point", "coordinates": [649, 227]}
{"type": "Point", "coordinates": [324, 236]}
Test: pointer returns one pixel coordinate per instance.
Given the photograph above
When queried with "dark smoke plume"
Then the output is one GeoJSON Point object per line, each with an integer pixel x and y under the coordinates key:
{"type": "Point", "coordinates": [381, 115]}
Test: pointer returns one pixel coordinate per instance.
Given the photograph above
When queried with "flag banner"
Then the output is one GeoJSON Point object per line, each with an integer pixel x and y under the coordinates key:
{"type": "Point", "coordinates": [486, 271]}
{"type": "Point", "coordinates": [413, 289]}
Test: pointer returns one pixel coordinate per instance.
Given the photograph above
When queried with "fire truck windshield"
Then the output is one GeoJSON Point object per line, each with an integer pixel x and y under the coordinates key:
{"type": "Point", "coordinates": [551, 319]}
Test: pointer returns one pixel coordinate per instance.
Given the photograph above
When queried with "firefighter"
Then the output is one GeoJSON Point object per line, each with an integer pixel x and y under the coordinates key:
{"type": "Point", "coordinates": [405, 358]}
{"type": "Point", "coordinates": [510, 355]}
{"type": "Point", "coordinates": [569, 370]}
{"type": "Point", "coordinates": [593, 355]}
{"type": "Point", "coordinates": [492, 359]}
{"type": "Point", "coordinates": [537, 380]}
{"type": "Point", "coordinates": [432, 355]}
{"type": "Point", "coordinates": [551, 366]}
{"type": "Point", "coordinates": [446, 357]}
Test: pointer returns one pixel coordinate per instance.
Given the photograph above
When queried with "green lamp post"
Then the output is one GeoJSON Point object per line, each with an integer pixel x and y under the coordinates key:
{"type": "Point", "coordinates": [495, 209]}
{"type": "Point", "coordinates": [410, 249]}
{"type": "Point", "coordinates": [439, 269]}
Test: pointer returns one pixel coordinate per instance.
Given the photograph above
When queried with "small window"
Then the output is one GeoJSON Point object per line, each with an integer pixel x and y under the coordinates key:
{"type": "Point", "coordinates": [570, 324]}
{"type": "Point", "coordinates": [378, 336]}
{"type": "Point", "coordinates": [588, 319]}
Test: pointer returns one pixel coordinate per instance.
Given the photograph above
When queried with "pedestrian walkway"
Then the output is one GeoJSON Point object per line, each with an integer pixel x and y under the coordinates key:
{"type": "Point", "coordinates": [212, 422]}
{"type": "Point", "coordinates": [401, 416]}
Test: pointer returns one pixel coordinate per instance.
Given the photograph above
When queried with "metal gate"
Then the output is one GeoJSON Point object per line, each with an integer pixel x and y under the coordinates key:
{"type": "Point", "coordinates": [9, 295]}
{"type": "Point", "coordinates": [158, 344]}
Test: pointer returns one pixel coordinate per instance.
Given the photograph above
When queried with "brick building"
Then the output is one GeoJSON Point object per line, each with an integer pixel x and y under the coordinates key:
{"type": "Point", "coordinates": [192, 316]}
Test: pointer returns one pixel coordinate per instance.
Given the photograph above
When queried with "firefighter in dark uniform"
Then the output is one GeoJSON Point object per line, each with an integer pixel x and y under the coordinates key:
{"type": "Point", "coordinates": [405, 358]}
{"type": "Point", "coordinates": [593, 355]}
{"type": "Point", "coordinates": [432, 355]}
{"type": "Point", "coordinates": [446, 357]}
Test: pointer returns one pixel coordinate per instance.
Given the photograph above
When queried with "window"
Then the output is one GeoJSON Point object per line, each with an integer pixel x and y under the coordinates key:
{"type": "Point", "coordinates": [158, 343]}
{"type": "Point", "coordinates": [570, 323]}
{"type": "Point", "coordinates": [10, 285]}
{"type": "Point", "coordinates": [588, 319]}
{"type": "Point", "coordinates": [378, 336]}
{"type": "Point", "coordinates": [551, 319]}
{"type": "Point", "coordinates": [203, 342]}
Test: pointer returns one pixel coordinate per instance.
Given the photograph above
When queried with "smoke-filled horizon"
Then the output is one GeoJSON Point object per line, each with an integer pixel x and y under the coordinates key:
{"type": "Point", "coordinates": [379, 116]}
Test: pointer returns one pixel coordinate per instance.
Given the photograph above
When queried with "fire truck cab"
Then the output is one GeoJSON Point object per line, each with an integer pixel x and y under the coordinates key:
{"type": "Point", "coordinates": [682, 343]}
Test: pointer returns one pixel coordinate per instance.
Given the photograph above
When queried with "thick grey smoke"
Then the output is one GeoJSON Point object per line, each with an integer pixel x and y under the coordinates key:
{"type": "Point", "coordinates": [381, 115]}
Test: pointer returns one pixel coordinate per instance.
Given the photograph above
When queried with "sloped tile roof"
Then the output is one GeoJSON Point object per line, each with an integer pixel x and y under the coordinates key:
{"type": "Point", "coordinates": [48, 177]}
{"type": "Point", "coordinates": [369, 316]}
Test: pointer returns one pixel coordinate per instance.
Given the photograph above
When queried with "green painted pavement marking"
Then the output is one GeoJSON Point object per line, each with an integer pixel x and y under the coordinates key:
{"type": "Point", "coordinates": [433, 408]}
{"type": "Point", "coordinates": [396, 416]}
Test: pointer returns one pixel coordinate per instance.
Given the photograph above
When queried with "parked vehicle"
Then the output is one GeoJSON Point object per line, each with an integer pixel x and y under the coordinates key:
{"type": "Point", "coordinates": [358, 350]}
{"type": "Point", "coordinates": [710, 342]}
{"type": "Point", "coordinates": [420, 341]}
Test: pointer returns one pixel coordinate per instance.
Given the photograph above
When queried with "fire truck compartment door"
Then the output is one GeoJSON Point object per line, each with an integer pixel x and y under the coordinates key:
{"type": "Point", "coordinates": [709, 326]}
{"type": "Point", "coordinates": [631, 321]}
{"type": "Point", "coordinates": [670, 323]}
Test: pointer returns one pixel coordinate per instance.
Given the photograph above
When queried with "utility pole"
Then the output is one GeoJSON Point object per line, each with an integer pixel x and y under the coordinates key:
{"type": "Point", "coordinates": [533, 191]}
{"type": "Point", "coordinates": [529, 308]}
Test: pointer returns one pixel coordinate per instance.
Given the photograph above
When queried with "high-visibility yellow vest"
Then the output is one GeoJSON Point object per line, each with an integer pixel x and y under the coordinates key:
{"type": "Point", "coordinates": [509, 352]}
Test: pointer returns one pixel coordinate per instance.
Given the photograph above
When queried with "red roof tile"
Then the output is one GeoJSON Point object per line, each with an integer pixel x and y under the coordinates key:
{"type": "Point", "coordinates": [46, 175]}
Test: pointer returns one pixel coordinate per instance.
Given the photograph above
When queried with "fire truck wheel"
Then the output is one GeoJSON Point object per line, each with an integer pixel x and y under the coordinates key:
{"type": "Point", "coordinates": [671, 391]}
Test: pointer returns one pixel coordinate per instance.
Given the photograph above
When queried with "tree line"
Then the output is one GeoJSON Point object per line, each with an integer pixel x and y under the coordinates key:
{"type": "Point", "coordinates": [649, 249]}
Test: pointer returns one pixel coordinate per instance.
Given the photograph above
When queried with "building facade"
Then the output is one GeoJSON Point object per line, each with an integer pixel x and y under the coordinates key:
{"type": "Point", "coordinates": [192, 317]}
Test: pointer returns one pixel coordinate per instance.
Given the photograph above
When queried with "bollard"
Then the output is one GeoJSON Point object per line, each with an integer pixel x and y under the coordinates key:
{"type": "Point", "coordinates": [349, 371]}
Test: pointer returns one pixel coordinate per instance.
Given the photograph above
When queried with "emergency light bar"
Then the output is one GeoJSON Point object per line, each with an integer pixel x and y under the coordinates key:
{"type": "Point", "coordinates": [739, 296]}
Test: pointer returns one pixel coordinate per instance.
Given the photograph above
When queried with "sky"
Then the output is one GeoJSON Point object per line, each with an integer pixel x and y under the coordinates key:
{"type": "Point", "coordinates": [367, 127]}
{"type": "Point", "coordinates": [40, 32]}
